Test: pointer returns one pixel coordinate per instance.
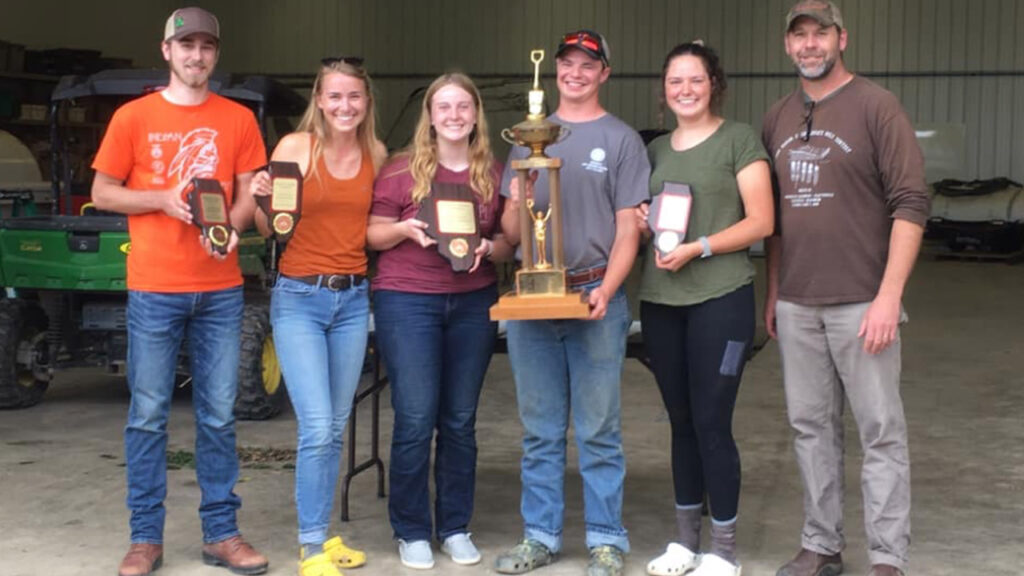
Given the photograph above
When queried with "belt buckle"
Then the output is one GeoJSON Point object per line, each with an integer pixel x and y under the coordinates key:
{"type": "Point", "coordinates": [337, 282]}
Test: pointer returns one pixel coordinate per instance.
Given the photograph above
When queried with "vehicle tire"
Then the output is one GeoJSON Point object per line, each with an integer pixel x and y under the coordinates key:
{"type": "Point", "coordinates": [261, 388]}
{"type": "Point", "coordinates": [20, 327]}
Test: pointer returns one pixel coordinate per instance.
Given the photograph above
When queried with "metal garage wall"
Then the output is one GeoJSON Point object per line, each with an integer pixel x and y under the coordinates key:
{"type": "Point", "coordinates": [950, 61]}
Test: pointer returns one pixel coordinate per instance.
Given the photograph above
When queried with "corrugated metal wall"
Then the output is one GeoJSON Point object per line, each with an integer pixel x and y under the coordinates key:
{"type": "Point", "coordinates": [957, 62]}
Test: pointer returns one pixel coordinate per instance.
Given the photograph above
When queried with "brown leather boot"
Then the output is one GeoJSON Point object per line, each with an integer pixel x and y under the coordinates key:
{"type": "Point", "coordinates": [236, 555]}
{"type": "Point", "coordinates": [141, 560]}
{"type": "Point", "coordinates": [809, 563]}
{"type": "Point", "coordinates": [884, 570]}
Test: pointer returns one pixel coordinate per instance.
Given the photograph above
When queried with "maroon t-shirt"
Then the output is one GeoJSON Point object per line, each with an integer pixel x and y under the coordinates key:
{"type": "Point", "coordinates": [408, 267]}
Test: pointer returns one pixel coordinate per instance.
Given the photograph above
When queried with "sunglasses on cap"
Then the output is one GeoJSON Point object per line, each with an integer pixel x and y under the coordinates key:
{"type": "Point", "coordinates": [586, 40]}
{"type": "Point", "coordinates": [350, 60]}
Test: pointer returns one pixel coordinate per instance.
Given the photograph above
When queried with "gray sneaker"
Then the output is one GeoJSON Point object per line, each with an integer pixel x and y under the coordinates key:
{"type": "Point", "coordinates": [416, 554]}
{"type": "Point", "coordinates": [605, 561]}
{"type": "Point", "coordinates": [525, 556]}
{"type": "Point", "coordinates": [461, 549]}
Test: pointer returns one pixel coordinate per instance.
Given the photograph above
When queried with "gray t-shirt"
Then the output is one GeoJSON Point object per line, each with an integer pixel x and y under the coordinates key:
{"type": "Point", "coordinates": [604, 169]}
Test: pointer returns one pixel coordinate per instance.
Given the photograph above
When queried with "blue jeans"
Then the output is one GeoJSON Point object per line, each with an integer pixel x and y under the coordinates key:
{"type": "Point", "coordinates": [157, 324]}
{"type": "Point", "coordinates": [320, 338]}
{"type": "Point", "coordinates": [436, 349]}
{"type": "Point", "coordinates": [564, 366]}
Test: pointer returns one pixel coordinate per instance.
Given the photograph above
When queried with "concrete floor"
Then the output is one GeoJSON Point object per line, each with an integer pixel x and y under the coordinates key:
{"type": "Point", "coordinates": [62, 487]}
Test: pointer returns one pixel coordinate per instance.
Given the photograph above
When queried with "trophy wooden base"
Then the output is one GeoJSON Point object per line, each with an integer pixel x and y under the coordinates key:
{"type": "Point", "coordinates": [555, 307]}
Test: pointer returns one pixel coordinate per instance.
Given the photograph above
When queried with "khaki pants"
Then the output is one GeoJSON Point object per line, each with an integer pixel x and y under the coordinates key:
{"type": "Point", "coordinates": [824, 364]}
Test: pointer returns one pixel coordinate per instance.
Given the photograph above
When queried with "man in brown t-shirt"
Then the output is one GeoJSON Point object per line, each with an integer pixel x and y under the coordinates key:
{"type": "Point", "coordinates": [852, 207]}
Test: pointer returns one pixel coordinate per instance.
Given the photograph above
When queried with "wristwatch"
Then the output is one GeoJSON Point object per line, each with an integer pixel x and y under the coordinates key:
{"type": "Point", "coordinates": [705, 247]}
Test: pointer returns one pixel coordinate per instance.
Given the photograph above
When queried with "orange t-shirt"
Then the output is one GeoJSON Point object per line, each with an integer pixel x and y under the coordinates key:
{"type": "Point", "coordinates": [152, 144]}
{"type": "Point", "coordinates": [330, 237]}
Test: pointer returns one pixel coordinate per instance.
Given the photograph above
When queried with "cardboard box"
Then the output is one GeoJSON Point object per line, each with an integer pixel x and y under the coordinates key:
{"type": "Point", "coordinates": [77, 114]}
{"type": "Point", "coordinates": [33, 112]}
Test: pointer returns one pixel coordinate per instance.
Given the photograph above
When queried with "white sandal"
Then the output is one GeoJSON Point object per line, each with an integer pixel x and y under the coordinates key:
{"type": "Point", "coordinates": [676, 560]}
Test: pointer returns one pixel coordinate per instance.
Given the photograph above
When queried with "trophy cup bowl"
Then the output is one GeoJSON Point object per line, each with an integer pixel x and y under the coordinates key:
{"type": "Point", "coordinates": [535, 134]}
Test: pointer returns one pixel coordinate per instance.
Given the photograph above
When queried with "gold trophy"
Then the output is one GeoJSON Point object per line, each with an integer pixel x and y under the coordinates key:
{"type": "Point", "coordinates": [541, 287]}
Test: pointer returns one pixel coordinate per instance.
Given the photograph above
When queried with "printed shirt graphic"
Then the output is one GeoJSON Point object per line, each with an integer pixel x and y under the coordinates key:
{"type": "Point", "coordinates": [839, 190]}
{"type": "Point", "coordinates": [805, 166]}
{"type": "Point", "coordinates": [596, 162]}
{"type": "Point", "coordinates": [196, 156]}
{"type": "Point", "coordinates": [152, 144]}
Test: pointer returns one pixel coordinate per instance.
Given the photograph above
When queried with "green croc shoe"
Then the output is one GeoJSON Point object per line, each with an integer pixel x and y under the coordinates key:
{"type": "Point", "coordinates": [525, 556]}
{"type": "Point", "coordinates": [605, 561]}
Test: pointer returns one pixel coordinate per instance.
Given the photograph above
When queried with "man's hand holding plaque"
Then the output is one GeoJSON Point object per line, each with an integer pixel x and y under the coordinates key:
{"type": "Point", "coordinates": [669, 217]}
{"type": "Point", "coordinates": [450, 212]}
{"type": "Point", "coordinates": [283, 206]}
{"type": "Point", "coordinates": [209, 206]}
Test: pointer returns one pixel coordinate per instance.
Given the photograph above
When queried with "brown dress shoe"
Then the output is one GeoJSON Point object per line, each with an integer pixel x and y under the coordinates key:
{"type": "Point", "coordinates": [236, 555]}
{"type": "Point", "coordinates": [141, 560]}
{"type": "Point", "coordinates": [809, 563]}
{"type": "Point", "coordinates": [885, 570]}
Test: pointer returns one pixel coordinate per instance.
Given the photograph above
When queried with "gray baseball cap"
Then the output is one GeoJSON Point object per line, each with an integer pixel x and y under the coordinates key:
{"type": "Point", "coordinates": [192, 20]}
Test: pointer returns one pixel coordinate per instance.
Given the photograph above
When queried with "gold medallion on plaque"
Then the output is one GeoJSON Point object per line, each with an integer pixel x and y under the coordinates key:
{"type": "Point", "coordinates": [283, 223]}
{"type": "Point", "coordinates": [458, 247]}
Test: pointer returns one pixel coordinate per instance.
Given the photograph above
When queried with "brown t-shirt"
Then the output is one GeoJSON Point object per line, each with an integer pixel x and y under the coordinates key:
{"type": "Point", "coordinates": [838, 192]}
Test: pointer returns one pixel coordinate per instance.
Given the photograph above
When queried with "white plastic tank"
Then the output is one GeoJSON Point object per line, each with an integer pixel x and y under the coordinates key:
{"type": "Point", "coordinates": [17, 165]}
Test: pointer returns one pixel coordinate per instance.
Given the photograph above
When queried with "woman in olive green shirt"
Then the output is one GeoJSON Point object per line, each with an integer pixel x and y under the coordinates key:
{"type": "Point", "coordinates": [697, 300]}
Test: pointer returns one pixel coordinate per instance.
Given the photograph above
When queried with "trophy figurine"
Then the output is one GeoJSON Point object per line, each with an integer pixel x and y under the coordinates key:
{"type": "Point", "coordinates": [541, 290]}
{"type": "Point", "coordinates": [540, 223]}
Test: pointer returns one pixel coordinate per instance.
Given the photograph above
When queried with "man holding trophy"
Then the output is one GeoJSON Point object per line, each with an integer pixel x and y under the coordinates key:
{"type": "Point", "coordinates": [573, 366]}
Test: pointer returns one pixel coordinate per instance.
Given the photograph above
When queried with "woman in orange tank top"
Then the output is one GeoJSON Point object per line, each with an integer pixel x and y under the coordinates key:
{"type": "Point", "coordinates": [319, 305]}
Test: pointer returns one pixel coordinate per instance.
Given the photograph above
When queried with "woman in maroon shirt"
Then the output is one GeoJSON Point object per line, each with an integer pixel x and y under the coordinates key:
{"type": "Point", "coordinates": [432, 323]}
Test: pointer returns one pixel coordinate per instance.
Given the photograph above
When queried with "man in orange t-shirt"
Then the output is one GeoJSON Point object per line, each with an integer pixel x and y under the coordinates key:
{"type": "Point", "coordinates": [179, 287]}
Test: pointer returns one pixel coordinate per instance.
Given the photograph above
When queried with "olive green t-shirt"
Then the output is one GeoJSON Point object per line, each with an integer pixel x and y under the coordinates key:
{"type": "Point", "coordinates": [710, 169]}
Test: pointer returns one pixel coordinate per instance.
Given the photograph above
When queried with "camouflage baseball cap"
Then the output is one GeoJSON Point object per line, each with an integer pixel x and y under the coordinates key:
{"type": "Point", "coordinates": [823, 12]}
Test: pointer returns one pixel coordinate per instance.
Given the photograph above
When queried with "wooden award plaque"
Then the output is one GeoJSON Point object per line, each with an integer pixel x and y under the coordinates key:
{"type": "Point", "coordinates": [450, 212]}
{"type": "Point", "coordinates": [669, 216]}
{"type": "Point", "coordinates": [210, 211]}
{"type": "Point", "coordinates": [284, 205]}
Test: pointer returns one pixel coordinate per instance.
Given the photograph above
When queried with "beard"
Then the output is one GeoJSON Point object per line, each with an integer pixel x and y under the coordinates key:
{"type": "Point", "coordinates": [816, 72]}
{"type": "Point", "coordinates": [190, 78]}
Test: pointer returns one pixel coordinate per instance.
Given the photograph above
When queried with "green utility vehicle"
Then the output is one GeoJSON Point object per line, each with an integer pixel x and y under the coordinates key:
{"type": "Point", "coordinates": [63, 274]}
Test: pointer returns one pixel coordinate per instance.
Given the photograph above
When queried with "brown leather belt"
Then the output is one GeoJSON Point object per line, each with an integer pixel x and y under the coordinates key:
{"type": "Point", "coordinates": [335, 282]}
{"type": "Point", "coordinates": [585, 277]}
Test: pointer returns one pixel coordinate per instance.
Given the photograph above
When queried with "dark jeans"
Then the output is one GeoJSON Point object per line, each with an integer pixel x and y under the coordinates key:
{"type": "Point", "coordinates": [697, 355]}
{"type": "Point", "coordinates": [436, 349]}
